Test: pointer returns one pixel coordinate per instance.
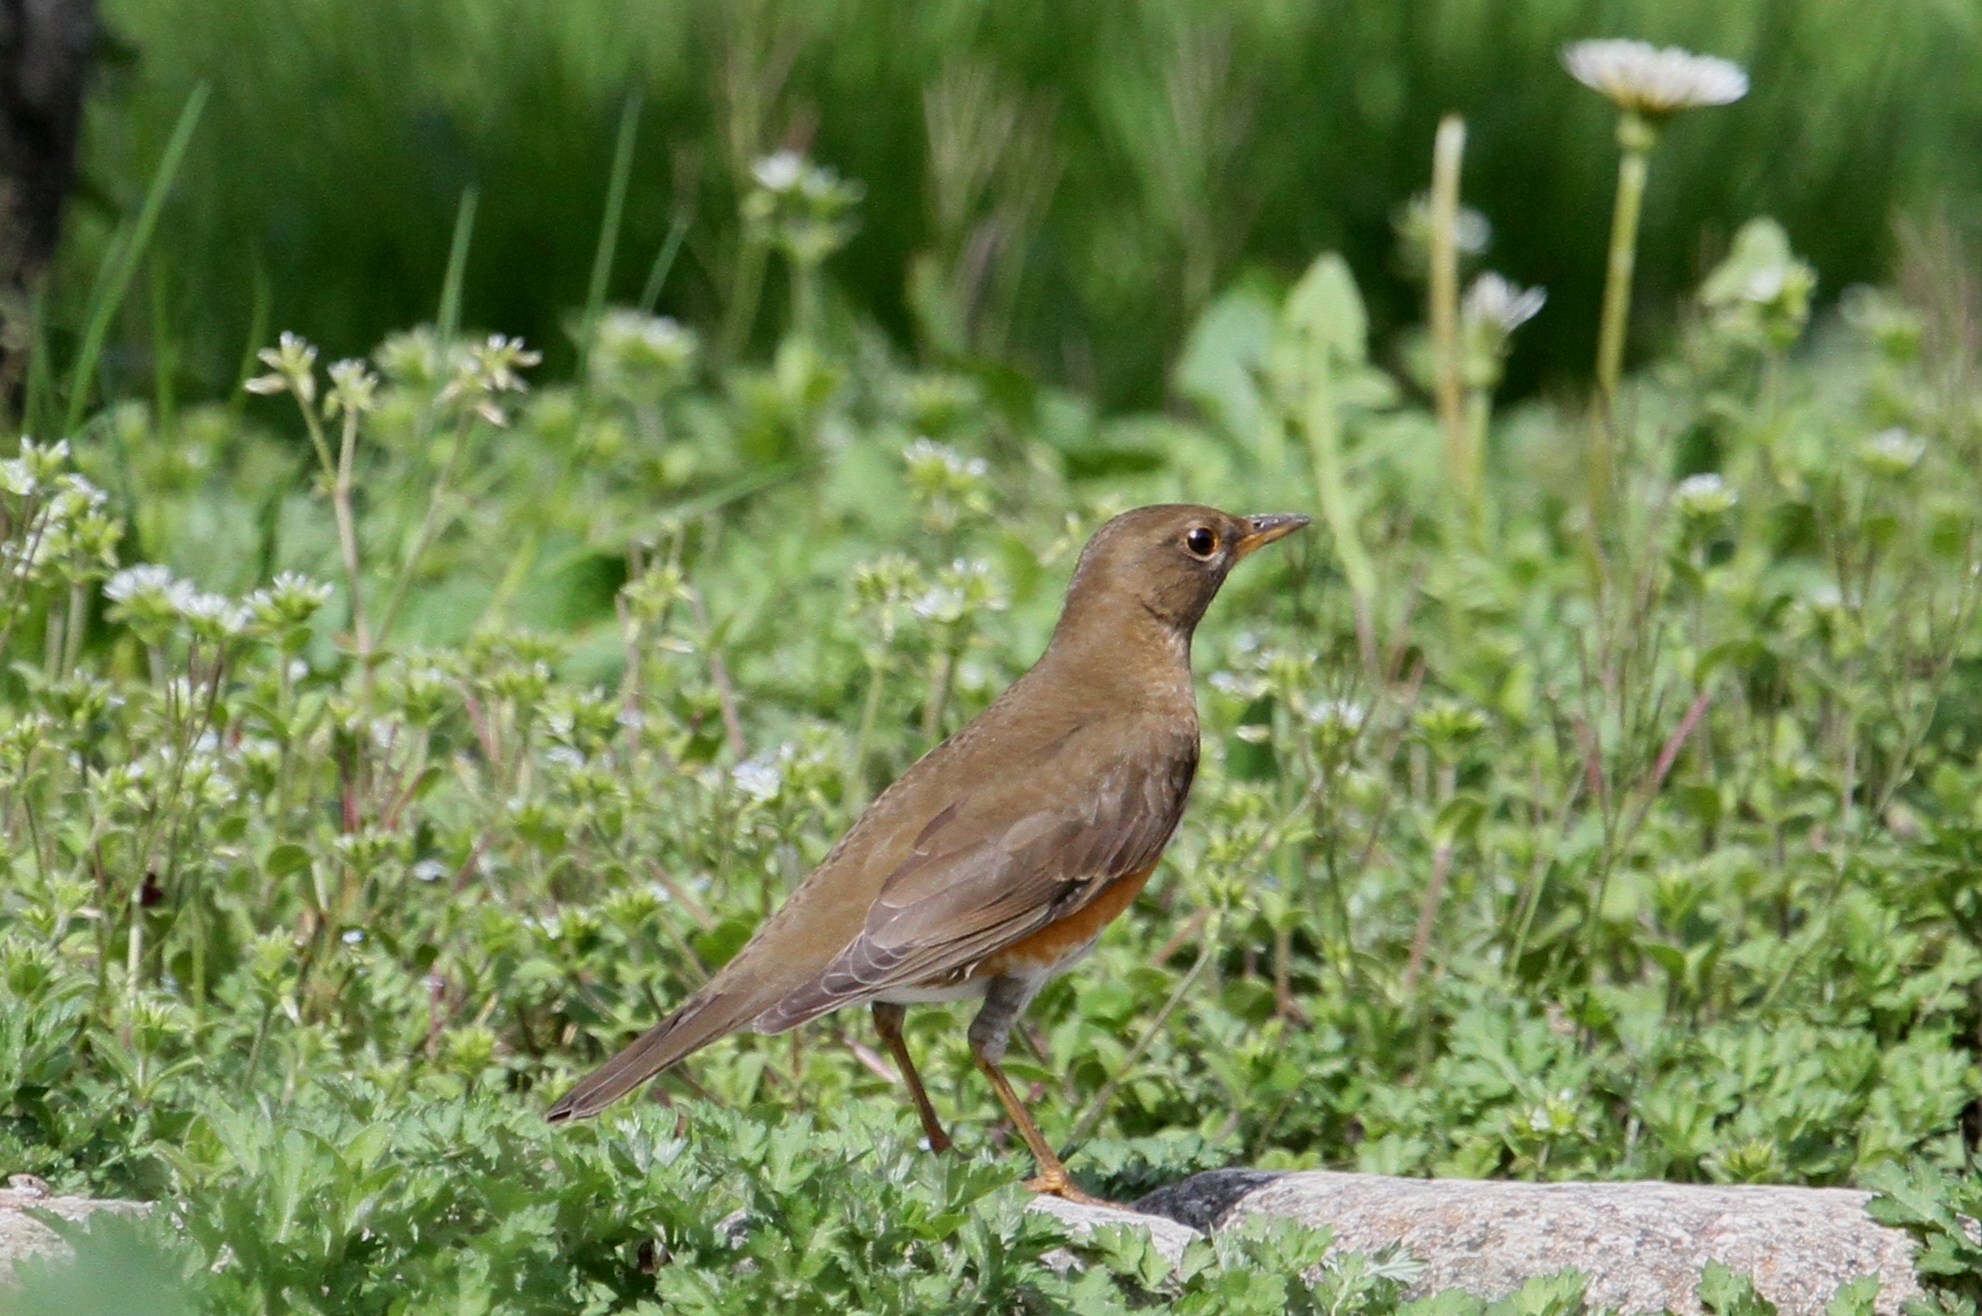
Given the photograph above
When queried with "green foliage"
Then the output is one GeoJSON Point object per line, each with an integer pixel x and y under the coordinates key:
{"type": "Point", "coordinates": [366, 775]}
{"type": "Point", "coordinates": [1725, 1293]}
{"type": "Point", "coordinates": [120, 1265]}
{"type": "Point", "coordinates": [1063, 185]}
{"type": "Point", "coordinates": [1939, 1209]}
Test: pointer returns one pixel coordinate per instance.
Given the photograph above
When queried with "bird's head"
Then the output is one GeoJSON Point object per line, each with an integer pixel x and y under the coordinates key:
{"type": "Point", "coordinates": [1166, 562]}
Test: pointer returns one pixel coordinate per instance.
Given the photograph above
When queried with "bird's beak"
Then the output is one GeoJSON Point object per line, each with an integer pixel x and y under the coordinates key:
{"type": "Point", "coordinates": [1262, 530]}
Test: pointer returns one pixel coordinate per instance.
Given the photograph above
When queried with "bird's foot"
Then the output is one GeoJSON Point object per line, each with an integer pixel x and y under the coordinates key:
{"type": "Point", "coordinates": [1060, 1185]}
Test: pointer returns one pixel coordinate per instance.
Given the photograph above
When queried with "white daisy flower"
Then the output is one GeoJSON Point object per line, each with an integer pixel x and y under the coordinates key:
{"type": "Point", "coordinates": [1641, 77]}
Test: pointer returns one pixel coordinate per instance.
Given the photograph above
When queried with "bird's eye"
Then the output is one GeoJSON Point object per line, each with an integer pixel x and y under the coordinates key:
{"type": "Point", "coordinates": [1200, 541]}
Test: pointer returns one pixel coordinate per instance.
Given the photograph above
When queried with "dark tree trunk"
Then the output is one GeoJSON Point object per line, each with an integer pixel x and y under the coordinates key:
{"type": "Point", "coordinates": [45, 50]}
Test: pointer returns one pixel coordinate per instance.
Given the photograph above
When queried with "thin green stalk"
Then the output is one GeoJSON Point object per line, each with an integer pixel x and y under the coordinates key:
{"type": "Point", "coordinates": [73, 628]}
{"type": "Point", "coordinates": [429, 525]}
{"type": "Point", "coordinates": [609, 224]}
{"type": "Point", "coordinates": [1448, 149]}
{"type": "Point", "coordinates": [338, 469]}
{"type": "Point", "coordinates": [657, 275]}
{"type": "Point", "coordinates": [805, 298]}
{"type": "Point", "coordinates": [939, 691]}
{"type": "Point", "coordinates": [259, 314]}
{"type": "Point", "coordinates": [870, 715]}
{"type": "Point", "coordinates": [1479, 411]}
{"type": "Point", "coordinates": [448, 321]}
{"type": "Point", "coordinates": [13, 584]}
{"type": "Point", "coordinates": [1635, 138]}
{"type": "Point", "coordinates": [116, 280]}
{"type": "Point", "coordinates": [742, 310]}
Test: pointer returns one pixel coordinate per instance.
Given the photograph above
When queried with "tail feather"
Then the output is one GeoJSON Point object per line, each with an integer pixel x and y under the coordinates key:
{"type": "Point", "coordinates": [693, 1026]}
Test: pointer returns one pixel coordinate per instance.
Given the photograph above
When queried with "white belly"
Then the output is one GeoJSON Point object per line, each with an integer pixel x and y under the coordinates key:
{"type": "Point", "coordinates": [967, 990]}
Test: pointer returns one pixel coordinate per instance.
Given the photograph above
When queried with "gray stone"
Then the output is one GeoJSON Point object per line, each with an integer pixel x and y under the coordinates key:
{"type": "Point", "coordinates": [1170, 1237]}
{"type": "Point", "coordinates": [22, 1236]}
{"type": "Point", "coordinates": [1643, 1245]}
{"type": "Point", "coordinates": [1202, 1200]}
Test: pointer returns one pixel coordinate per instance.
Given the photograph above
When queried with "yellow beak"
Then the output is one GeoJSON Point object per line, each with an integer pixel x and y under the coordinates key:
{"type": "Point", "coordinates": [1263, 530]}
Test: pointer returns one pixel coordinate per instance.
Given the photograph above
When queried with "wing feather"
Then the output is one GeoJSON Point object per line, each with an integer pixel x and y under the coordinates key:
{"type": "Point", "coordinates": [975, 883]}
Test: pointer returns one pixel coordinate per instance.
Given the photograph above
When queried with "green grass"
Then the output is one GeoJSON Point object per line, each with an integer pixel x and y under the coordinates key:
{"type": "Point", "coordinates": [1527, 847]}
{"type": "Point", "coordinates": [1046, 183]}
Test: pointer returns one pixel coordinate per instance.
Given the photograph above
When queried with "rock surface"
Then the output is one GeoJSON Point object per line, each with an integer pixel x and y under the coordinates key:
{"type": "Point", "coordinates": [1643, 1245]}
{"type": "Point", "coordinates": [22, 1236]}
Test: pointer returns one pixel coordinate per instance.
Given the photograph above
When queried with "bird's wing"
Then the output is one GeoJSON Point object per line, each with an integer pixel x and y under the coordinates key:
{"type": "Point", "coordinates": [991, 868]}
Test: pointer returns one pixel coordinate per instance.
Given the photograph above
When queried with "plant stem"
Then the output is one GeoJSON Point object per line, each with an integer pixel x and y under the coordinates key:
{"type": "Point", "coordinates": [870, 713]}
{"type": "Point", "coordinates": [747, 288]}
{"type": "Point", "coordinates": [338, 471]}
{"type": "Point", "coordinates": [1635, 138]}
{"type": "Point", "coordinates": [805, 299]}
{"type": "Point", "coordinates": [72, 632]}
{"type": "Point", "coordinates": [1447, 150]}
{"type": "Point", "coordinates": [939, 690]}
{"type": "Point", "coordinates": [429, 526]}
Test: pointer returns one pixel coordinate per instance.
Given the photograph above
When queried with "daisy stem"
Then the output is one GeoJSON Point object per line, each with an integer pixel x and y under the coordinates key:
{"type": "Point", "coordinates": [1636, 137]}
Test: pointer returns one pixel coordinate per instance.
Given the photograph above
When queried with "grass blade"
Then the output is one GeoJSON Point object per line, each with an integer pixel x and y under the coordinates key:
{"type": "Point", "coordinates": [608, 244]}
{"type": "Point", "coordinates": [657, 277]}
{"type": "Point", "coordinates": [449, 317]}
{"type": "Point", "coordinates": [115, 282]}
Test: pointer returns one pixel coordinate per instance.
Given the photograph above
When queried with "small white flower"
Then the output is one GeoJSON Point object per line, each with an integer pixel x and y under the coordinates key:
{"type": "Point", "coordinates": [1641, 77]}
{"type": "Point", "coordinates": [759, 778]}
{"type": "Point", "coordinates": [17, 477]}
{"type": "Point", "coordinates": [939, 603]}
{"type": "Point", "coordinates": [352, 936]}
{"type": "Point", "coordinates": [1892, 452]}
{"type": "Point", "coordinates": [1340, 714]}
{"type": "Point", "coordinates": [289, 600]}
{"type": "Point", "coordinates": [213, 615]}
{"type": "Point", "coordinates": [292, 369]}
{"type": "Point", "coordinates": [429, 870]}
{"type": "Point", "coordinates": [45, 457]}
{"type": "Point", "coordinates": [928, 455]}
{"type": "Point", "coordinates": [1239, 685]}
{"type": "Point", "coordinates": [1496, 303]}
{"type": "Point", "coordinates": [353, 388]}
{"type": "Point", "coordinates": [780, 172]}
{"type": "Point", "coordinates": [1472, 232]}
{"type": "Point", "coordinates": [143, 580]}
{"type": "Point", "coordinates": [1702, 496]}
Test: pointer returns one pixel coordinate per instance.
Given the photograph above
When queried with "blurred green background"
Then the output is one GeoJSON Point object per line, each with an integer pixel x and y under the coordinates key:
{"type": "Point", "coordinates": [1060, 187]}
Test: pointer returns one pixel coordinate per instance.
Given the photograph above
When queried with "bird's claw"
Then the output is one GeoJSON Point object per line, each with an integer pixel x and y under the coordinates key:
{"type": "Point", "coordinates": [1059, 1185]}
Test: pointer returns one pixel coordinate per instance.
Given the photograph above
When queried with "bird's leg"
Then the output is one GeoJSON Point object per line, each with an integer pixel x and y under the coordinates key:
{"type": "Point", "coordinates": [989, 1033]}
{"type": "Point", "coordinates": [888, 1023]}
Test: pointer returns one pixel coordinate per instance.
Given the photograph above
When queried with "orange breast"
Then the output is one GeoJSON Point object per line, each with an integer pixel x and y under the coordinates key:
{"type": "Point", "coordinates": [1054, 942]}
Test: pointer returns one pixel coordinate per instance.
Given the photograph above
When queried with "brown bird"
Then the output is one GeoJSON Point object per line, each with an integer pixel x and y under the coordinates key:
{"type": "Point", "coordinates": [996, 860]}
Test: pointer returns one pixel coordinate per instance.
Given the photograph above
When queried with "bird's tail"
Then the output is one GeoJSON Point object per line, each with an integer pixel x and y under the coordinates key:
{"type": "Point", "coordinates": [697, 1023]}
